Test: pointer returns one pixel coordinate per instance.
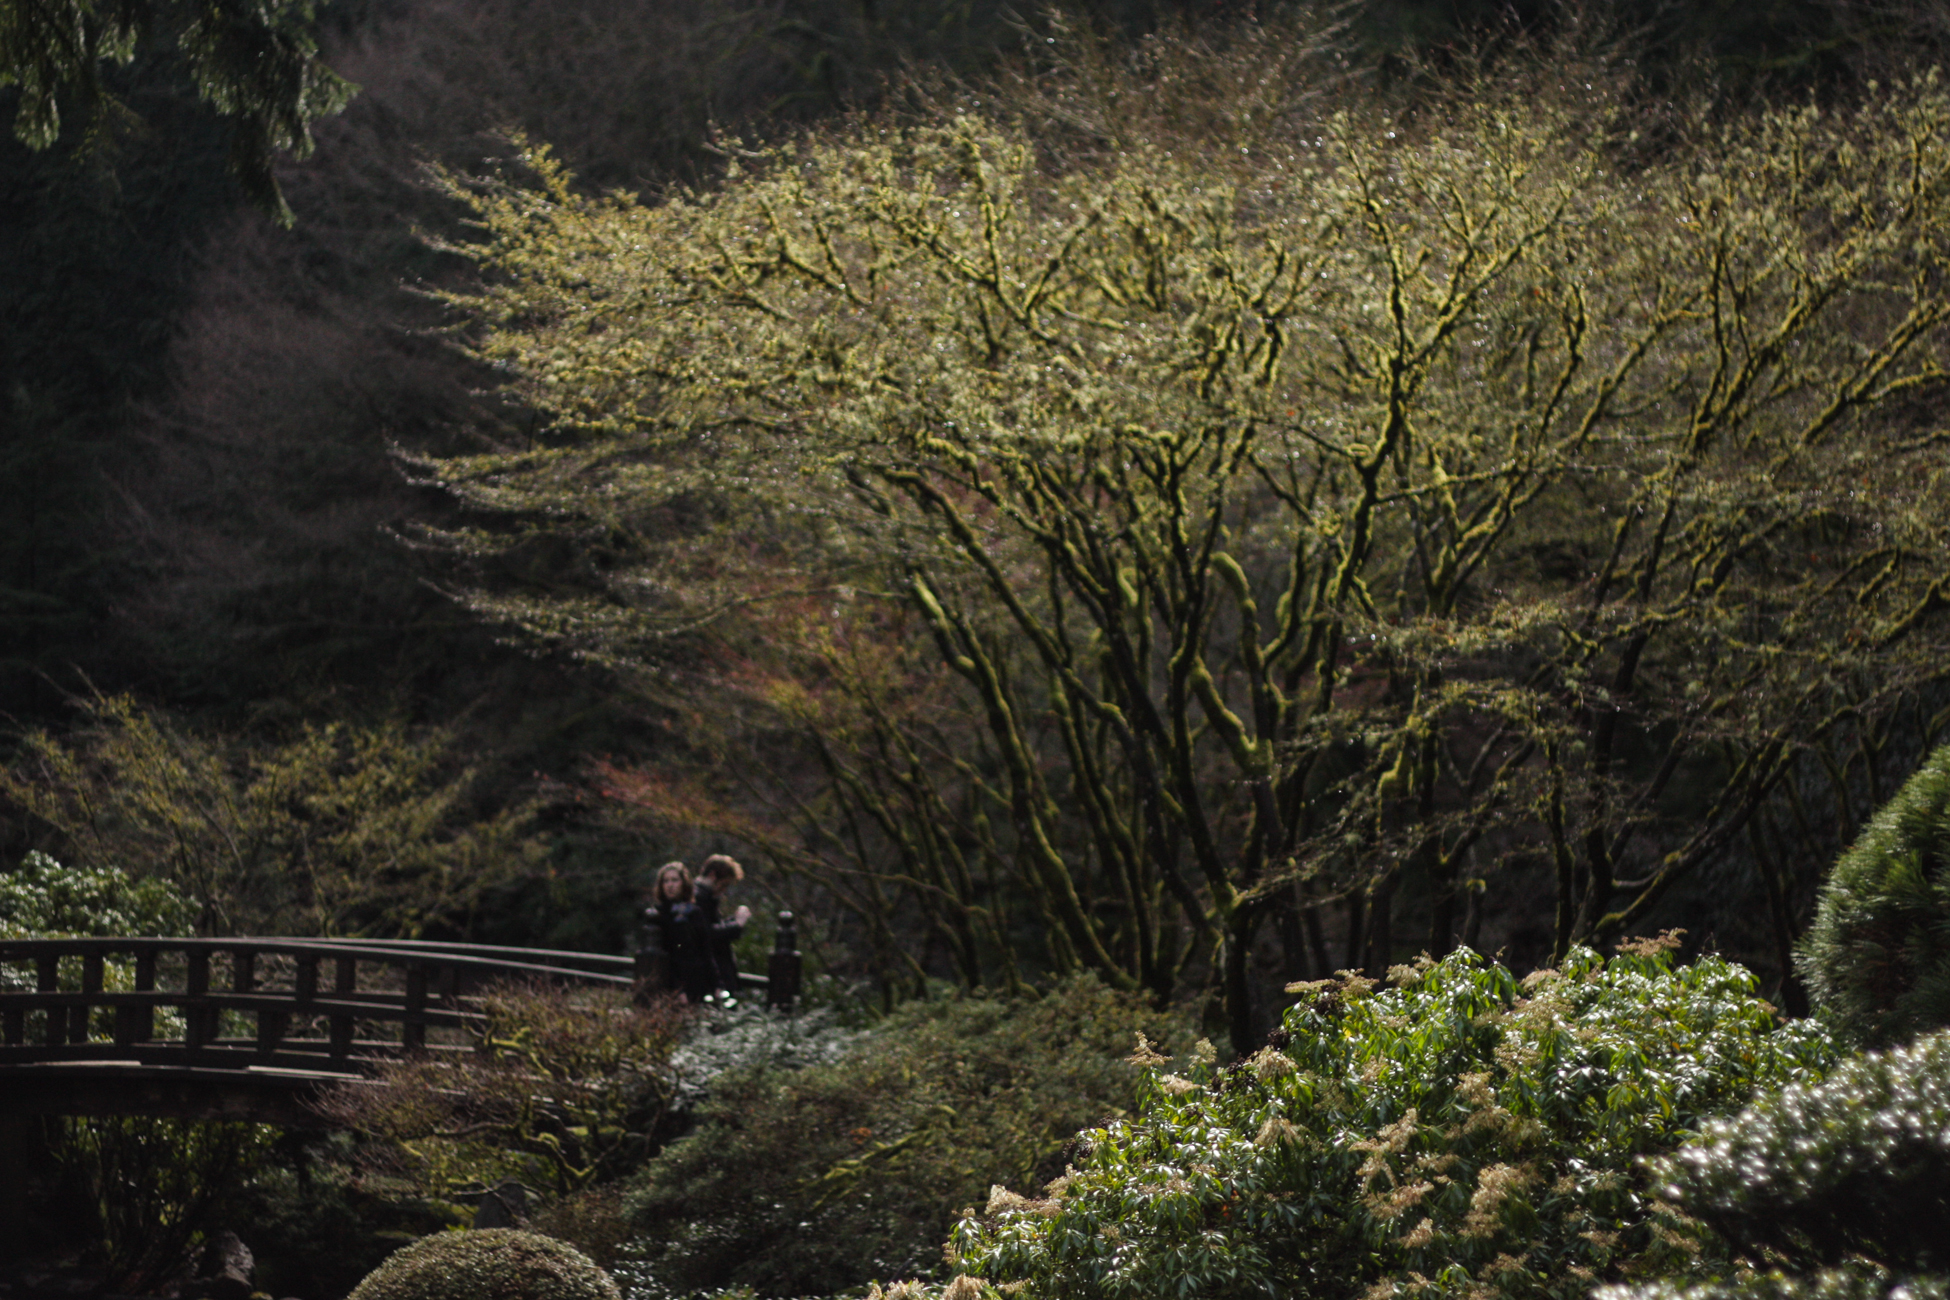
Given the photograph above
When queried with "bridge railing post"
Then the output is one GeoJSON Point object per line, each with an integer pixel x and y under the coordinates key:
{"type": "Point", "coordinates": [304, 990]}
{"type": "Point", "coordinates": [47, 979]}
{"type": "Point", "coordinates": [413, 1029]}
{"type": "Point", "coordinates": [91, 985]}
{"type": "Point", "coordinates": [783, 970]}
{"type": "Point", "coordinates": [138, 1024]}
{"type": "Point", "coordinates": [345, 980]}
{"type": "Point", "coordinates": [196, 1011]}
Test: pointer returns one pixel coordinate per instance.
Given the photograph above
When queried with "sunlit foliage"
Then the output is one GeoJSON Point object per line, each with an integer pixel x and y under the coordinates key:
{"type": "Point", "coordinates": [1296, 491]}
{"type": "Point", "coordinates": [1457, 1134]}
{"type": "Point", "coordinates": [255, 63]}
{"type": "Point", "coordinates": [45, 900]}
{"type": "Point", "coordinates": [343, 829]}
{"type": "Point", "coordinates": [1855, 1167]}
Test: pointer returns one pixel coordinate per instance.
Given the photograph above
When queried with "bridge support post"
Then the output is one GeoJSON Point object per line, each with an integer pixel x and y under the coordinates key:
{"type": "Point", "coordinates": [15, 1149]}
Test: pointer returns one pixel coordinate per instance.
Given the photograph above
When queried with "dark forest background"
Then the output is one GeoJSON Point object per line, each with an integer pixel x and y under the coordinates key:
{"type": "Point", "coordinates": [204, 516]}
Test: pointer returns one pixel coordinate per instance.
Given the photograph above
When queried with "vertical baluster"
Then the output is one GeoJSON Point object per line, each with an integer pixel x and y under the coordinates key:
{"type": "Point", "coordinates": [144, 1019]}
{"type": "Point", "coordinates": [347, 981]}
{"type": "Point", "coordinates": [196, 989]}
{"type": "Point", "coordinates": [413, 1030]}
{"type": "Point", "coordinates": [134, 1024]}
{"type": "Point", "coordinates": [47, 970]}
{"type": "Point", "coordinates": [304, 986]}
{"type": "Point", "coordinates": [13, 1024]}
{"type": "Point", "coordinates": [243, 979]}
{"type": "Point", "coordinates": [91, 986]}
{"type": "Point", "coordinates": [271, 1024]}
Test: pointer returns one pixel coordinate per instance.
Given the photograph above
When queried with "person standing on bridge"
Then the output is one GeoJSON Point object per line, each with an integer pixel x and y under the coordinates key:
{"type": "Point", "coordinates": [714, 881]}
{"type": "Point", "coordinates": [674, 911]}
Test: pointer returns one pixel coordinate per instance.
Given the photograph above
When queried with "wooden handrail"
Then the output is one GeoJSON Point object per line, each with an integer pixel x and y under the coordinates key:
{"type": "Point", "coordinates": [323, 1019]}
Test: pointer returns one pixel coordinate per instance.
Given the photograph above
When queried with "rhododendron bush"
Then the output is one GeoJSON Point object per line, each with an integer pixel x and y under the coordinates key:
{"type": "Point", "coordinates": [1459, 1132]}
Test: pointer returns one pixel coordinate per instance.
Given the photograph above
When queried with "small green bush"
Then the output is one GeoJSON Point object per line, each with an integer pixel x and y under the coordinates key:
{"type": "Point", "coordinates": [490, 1264]}
{"type": "Point", "coordinates": [1458, 1134]}
{"type": "Point", "coordinates": [1878, 953]}
{"type": "Point", "coordinates": [1855, 1166]}
{"type": "Point", "coordinates": [815, 1180]}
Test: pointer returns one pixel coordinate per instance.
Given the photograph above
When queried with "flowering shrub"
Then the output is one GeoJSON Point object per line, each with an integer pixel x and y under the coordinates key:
{"type": "Point", "coordinates": [43, 899]}
{"type": "Point", "coordinates": [1460, 1133]}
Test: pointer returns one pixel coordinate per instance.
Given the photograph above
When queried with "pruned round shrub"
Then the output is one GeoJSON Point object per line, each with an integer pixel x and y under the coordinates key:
{"type": "Point", "coordinates": [1459, 1134]}
{"type": "Point", "coordinates": [1856, 1165]}
{"type": "Point", "coordinates": [487, 1264]}
{"type": "Point", "coordinates": [816, 1180]}
{"type": "Point", "coordinates": [1878, 953]}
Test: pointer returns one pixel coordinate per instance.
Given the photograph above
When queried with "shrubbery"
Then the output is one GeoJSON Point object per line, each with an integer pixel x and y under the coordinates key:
{"type": "Point", "coordinates": [1855, 1282]}
{"type": "Point", "coordinates": [1878, 953]}
{"type": "Point", "coordinates": [1459, 1134]}
{"type": "Point", "coordinates": [44, 899]}
{"type": "Point", "coordinates": [816, 1180]}
{"type": "Point", "coordinates": [490, 1264]}
{"type": "Point", "coordinates": [1856, 1167]}
{"type": "Point", "coordinates": [565, 1088]}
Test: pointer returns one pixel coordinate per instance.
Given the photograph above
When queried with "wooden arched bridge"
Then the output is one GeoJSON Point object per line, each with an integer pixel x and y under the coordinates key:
{"type": "Point", "coordinates": [253, 1028]}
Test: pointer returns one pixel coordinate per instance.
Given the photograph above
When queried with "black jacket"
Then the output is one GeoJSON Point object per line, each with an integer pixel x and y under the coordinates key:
{"type": "Point", "coordinates": [718, 935]}
{"type": "Point", "coordinates": [692, 968]}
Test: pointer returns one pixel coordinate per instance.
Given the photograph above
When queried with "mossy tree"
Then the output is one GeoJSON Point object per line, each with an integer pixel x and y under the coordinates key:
{"type": "Point", "coordinates": [1292, 491]}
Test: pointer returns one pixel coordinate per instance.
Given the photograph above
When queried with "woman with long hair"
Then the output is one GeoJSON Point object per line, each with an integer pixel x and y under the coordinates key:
{"type": "Point", "coordinates": [673, 910]}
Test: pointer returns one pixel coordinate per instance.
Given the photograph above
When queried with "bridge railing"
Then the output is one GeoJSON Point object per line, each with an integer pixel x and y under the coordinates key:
{"type": "Point", "coordinates": [275, 1003]}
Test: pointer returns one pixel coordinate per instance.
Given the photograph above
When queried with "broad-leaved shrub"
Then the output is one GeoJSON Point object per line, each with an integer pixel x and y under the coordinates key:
{"type": "Point", "coordinates": [44, 899]}
{"type": "Point", "coordinates": [1461, 1133]}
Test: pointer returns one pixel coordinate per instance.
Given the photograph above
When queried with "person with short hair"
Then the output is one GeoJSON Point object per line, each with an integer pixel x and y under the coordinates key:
{"type": "Point", "coordinates": [714, 881]}
{"type": "Point", "coordinates": [674, 911]}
